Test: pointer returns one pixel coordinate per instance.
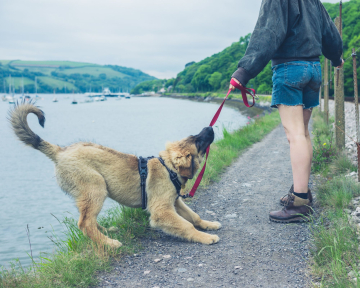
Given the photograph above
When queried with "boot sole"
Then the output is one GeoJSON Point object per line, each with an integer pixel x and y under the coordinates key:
{"type": "Point", "coordinates": [292, 220]}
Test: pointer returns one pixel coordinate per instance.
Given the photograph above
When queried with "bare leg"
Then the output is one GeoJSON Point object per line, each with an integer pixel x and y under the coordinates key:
{"type": "Point", "coordinates": [307, 116]}
{"type": "Point", "coordinates": [185, 212]}
{"type": "Point", "coordinates": [292, 118]}
{"type": "Point", "coordinates": [170, 222]}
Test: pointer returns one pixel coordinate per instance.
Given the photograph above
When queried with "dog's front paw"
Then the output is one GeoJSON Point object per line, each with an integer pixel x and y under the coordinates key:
{"type": "Point", "coordinates": [114, 244]}
{"type": "Point", "coordinates": [207, 225]}
{"type": "Point", "coordinates": [210, 239]}
{"type": "Point", "coordinates": [113, 229]}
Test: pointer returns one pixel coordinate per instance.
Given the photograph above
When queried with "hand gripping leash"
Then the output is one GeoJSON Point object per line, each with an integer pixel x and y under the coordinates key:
{"type": "Point", "coordinates": [244, 91]}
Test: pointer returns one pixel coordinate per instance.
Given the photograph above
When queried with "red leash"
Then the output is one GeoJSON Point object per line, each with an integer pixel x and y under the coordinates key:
{"type": "Point", "coordinates": [244, 91]}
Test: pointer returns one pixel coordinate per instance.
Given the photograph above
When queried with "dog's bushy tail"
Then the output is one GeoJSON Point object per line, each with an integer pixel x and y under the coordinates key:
{"type": "Point", "coordinates": [18, 120]}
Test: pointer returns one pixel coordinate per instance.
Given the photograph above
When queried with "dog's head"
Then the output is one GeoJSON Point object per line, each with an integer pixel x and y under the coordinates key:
{"type": "Point", "coordinates": [187, 154]}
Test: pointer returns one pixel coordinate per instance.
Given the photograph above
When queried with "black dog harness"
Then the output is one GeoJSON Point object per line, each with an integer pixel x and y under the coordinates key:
{"type": "Point", "coordinates": [143, 171]}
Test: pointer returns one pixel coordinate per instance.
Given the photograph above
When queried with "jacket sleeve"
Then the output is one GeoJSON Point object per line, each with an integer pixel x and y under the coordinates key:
{"type": "Point", "coordinates": [332, 46]}
{"type": "Point", "coordinates": [269, 33]}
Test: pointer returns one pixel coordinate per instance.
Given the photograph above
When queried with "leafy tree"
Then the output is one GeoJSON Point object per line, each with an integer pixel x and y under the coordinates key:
{"type": "Point", "coordinates": [201, 77]}
{"type": "Point", "coordinates": [215, 80]}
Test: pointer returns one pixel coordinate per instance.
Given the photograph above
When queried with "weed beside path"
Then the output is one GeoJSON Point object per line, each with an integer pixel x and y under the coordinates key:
{"type": "Point", "coordinates": [335, 233]}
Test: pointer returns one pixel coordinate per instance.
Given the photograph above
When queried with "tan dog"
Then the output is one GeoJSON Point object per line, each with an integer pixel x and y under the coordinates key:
{"type": "Point", "coordinates": [91, 172]}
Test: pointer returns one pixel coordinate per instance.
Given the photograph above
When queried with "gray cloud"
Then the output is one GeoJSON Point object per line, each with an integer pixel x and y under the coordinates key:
{"type": "Point", "coordinates": [158, 37]}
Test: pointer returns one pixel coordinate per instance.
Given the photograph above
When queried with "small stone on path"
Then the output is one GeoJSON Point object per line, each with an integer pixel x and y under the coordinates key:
{"type": "Point", "coordinates": [182, 270]}
{"type": "Point", "coordinates": [146, 272]}
{"type": "Point", "coordinates": [231, 215]}
{"type": "Point", "coordinates": [246, 185]}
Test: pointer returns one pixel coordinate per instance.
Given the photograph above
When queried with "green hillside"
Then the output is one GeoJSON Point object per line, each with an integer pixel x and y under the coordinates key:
{"type": "Point", "coordinates": [213, 73]}
{"type": "Point", "coordinates": [69, 76]}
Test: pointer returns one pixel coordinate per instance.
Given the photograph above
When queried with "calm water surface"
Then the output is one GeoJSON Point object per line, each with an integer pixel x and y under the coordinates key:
{"type": "Point", "coordinates": [29, 193]}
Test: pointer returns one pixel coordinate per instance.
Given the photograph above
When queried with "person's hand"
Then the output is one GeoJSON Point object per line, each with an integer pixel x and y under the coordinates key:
{"type": "Point", "coordinates": [341, 65]}
{"type": "Point", "coordinates": [233, 87]}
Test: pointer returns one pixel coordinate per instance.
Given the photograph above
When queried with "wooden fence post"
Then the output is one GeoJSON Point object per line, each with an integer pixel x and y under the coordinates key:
{"type": "Point", "coordinates": [326, 91]}
{"type": "Point", "coordinates": [339, 100]}
{"type": "Point", "coordinates": [320, 97]}
{"type": "Point", "coordinates": [356, 100]}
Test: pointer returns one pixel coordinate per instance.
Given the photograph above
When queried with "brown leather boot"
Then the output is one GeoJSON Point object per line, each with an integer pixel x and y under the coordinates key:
{"type": "Point", "coordinates": [295, 210]}
{"type": "Point", "coordinates": [283, 199]}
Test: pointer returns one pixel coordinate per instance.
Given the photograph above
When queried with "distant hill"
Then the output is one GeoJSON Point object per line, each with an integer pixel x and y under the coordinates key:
{"type": "Point", "coordinates": [72, 76]}
{"type": "Point", "coordinates": [214, 72]}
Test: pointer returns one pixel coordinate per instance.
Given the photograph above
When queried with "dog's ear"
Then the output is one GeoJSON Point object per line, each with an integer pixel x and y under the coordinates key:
{"type": "Point", "coordinates": [185, 165]}
{"type": "Point", "coordinates": [182, 159]}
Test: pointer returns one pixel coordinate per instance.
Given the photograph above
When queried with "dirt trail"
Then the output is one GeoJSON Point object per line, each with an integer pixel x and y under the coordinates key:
{"type": "Point", "coordinates": [252, 252]}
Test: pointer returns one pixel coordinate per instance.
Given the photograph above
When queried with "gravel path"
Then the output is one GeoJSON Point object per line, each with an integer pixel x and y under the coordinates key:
{"type": "Point", "coordinates": [252, 252]}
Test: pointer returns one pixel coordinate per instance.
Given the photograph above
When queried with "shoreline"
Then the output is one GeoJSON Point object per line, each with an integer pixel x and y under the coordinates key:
{"type": "Point", "coordinates": [259, 108]}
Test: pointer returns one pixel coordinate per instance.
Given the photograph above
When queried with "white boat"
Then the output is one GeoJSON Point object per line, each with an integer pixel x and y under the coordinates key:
{"type": "Point", "coordinates": [106, 92]}
{"type": "Point", "coordinates": [55, 100]}
{"type": "Point", "coordinates": [8, 98]}
{"type": "Point", "coordinates": [89, 99]}
{"type": "Point", "coordinates": [11, 99]}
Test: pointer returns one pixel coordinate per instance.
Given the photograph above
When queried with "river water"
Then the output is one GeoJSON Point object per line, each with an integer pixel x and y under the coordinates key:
{"type": "Point", "coordinates": [29, 193]}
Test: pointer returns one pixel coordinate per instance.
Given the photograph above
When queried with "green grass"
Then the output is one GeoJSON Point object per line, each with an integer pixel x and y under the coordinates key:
{"type": "Point", "coordinates": [44, 70]}
{"type": "Point", "coordinates": [17, 82]}
{"type": "Point", "coordinates": [335, 239]}
{"type": "Point", "coordinates": [52, 63]}
{"type": "Point", "coordinates": [5, 62]}
{"type": "Point", "coordinates": [55, 83]}
{"type": "Point", "coordinates": [323, 142]}
{"type": "Point", "coordinates": [77, 259]}
{"type": "Point", "coordinates": [94, 71]}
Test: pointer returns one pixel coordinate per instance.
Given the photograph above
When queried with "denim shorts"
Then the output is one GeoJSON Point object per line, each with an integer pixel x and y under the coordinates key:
{"type": "Point", "coordinates": [296, 83]}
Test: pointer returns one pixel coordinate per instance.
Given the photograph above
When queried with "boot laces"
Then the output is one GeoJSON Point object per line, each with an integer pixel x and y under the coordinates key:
{"type": "Point", "coordinates": [290, 198]}
{"type": "Point", "coordinates": [290, 191]}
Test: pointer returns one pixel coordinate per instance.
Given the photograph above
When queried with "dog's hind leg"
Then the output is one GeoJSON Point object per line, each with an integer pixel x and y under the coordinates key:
{"type": "Point", "coordinates": [170, 222]}
{"type": "Point", "coordinates": [186, 212]}
{"type": "Point", "coordinates": [90, 202]}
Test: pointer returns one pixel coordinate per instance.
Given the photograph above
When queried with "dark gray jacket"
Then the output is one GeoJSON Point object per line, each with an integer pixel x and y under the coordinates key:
{"type": "Point", "coordinates": [289, 30]}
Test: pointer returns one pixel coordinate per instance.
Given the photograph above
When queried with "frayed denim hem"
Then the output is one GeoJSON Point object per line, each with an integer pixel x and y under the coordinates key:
{"type": "Point", "coordinates": [277, 105]}
{"type": "Point", "coordinates": [311, 107]}
{"type": "Point", "coordinates": [300, 104]}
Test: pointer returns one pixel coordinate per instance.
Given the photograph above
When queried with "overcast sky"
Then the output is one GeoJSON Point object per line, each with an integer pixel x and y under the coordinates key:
{"type": "Point", "coordinates": [158, 37]}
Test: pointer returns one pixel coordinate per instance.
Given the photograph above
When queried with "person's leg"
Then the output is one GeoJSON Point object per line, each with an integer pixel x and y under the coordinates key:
{"type": "Point", "coordinates": [306, 117]}
{"type": "Point", "coordinates": [292, 118]}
